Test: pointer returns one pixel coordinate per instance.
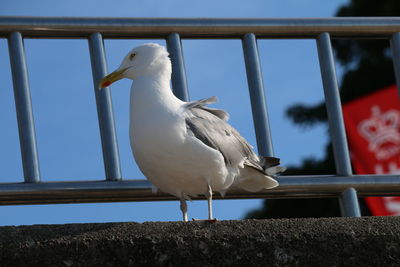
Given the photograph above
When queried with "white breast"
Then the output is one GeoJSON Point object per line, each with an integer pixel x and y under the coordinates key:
{"type": "Point", "coordinates": [171, 159]}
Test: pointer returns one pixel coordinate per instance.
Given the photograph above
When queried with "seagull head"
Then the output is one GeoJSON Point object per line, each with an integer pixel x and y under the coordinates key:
{"type": "Point", "coordinates": [147, 59]}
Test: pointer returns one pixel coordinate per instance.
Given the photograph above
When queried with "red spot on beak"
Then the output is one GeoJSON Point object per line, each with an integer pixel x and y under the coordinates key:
{"type": "Point", "coordinates": [107, 83]}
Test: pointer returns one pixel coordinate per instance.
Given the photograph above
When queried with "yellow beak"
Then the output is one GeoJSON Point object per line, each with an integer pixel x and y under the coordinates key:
{"type": "Point", "coordinates": [111, 78]}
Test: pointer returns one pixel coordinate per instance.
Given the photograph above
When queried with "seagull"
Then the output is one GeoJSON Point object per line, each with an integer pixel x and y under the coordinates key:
{"type": "Point", "coordinates": [185, 149]}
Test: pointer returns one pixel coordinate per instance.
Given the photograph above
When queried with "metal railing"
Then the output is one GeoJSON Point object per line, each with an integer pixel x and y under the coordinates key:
{"type": "Point", "coordinates": [344, 184]}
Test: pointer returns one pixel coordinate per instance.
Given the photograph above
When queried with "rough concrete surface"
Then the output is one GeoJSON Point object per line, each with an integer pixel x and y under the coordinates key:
{"type": "Point", "coordinates": [372, 241]}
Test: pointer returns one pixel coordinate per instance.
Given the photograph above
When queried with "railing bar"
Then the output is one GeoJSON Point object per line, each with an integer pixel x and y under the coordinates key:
{"type": "Point", "coordinates": [395, 44]}
{"type": "Point", "coordinates": [348, 199]}
{"type": "Point", "coordinates": [333, 105]}
{"type": "Point", "coordinates": [22, 95]}
{"type": "Point", "coordinates": [257, 97]}
{"type": "Point", "coordinates": [218, 28]}
{"type": "Point", "coordinates": [140, 190]}
{"type": "Point", "coordinates": [179, 80]}
{"type": "Point", "coordinates": [377, 27]}
{"type": "Point", "coordinates": [104, 109]}
{"type": "Point", "coordinates": [349, 203]}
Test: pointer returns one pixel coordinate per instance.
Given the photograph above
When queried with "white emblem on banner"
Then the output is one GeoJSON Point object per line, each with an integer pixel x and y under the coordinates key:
{"type": "Point", "coordinates": [381, 130]}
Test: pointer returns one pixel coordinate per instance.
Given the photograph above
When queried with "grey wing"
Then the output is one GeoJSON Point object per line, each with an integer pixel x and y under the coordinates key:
{"type": "Point", "coordinates": [216, 133]}
{"type": "Point", "coordinates": [200, 104]}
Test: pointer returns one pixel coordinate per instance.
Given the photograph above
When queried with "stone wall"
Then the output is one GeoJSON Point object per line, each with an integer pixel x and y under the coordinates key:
{"type": "Point", "coordinates": [372, 241]}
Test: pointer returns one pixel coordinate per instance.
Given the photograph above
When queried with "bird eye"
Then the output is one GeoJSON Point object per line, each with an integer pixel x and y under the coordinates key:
{"type": "Point", "coordinates": [131, 56]}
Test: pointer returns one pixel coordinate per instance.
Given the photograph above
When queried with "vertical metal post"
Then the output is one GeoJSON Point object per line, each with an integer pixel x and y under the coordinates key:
{"type": "Point", "coordinates": [179, 81]}
{"type": "Point", "coordinates": [348, 199]}
{"type": "Point", "coordinates": [348, 202]}
{"type": "Point", "coordinates": [26, 127]}
{"type": "Point", "coordinates": [257, 97]}
{"type": "Point", "coordinates": [395, 44]}
{"type": "Point", "coordinates": [104, 109]}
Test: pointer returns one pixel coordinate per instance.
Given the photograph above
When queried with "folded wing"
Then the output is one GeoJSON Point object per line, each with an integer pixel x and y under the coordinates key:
{"type": "Point", "coordinates": [210, 127]}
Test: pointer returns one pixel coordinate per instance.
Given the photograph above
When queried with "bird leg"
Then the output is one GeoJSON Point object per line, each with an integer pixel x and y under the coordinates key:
{"type": "Point", "coordinates": [208, 195]}
{"type": "Point", "coordinates": [184, 208]}
{"type": "Point", "coordinates": [209, 200]}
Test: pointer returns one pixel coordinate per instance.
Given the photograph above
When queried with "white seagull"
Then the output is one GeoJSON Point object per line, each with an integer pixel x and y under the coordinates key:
{"type": "Point", "coordinates": [185, 148]}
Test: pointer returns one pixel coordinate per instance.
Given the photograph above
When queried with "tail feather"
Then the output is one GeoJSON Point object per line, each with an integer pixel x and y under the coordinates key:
{"type": "Point", "coordinates": [256, 176]}
{"type": "Point", "coordinates": [267, 162]}
{"type": "Point", "coordinates": [252, 180]}
{"type": "Point", "coordinates": [275, 170]}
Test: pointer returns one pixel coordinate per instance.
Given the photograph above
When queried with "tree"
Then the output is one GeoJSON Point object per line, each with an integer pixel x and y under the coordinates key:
{"type": "Point", "coordinates": [368, 67]}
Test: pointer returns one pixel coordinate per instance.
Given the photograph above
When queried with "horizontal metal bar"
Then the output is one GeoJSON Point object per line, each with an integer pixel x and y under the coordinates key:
{"type": "Point", "coordinates": [140, 190]}
{"type": "Point", "coordinates": [78, 27]}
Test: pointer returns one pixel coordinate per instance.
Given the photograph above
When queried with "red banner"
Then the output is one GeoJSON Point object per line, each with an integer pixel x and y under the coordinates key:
{"type": "Point", "coordinates": [373, 132]}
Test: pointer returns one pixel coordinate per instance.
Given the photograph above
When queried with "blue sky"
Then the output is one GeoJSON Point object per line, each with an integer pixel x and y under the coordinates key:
{"type": "Point", "coordinates": [65, 114]}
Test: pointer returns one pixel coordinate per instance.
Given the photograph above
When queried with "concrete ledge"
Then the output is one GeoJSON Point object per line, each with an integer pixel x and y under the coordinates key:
{"type": "Point", "coordinates": [372, 241]}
